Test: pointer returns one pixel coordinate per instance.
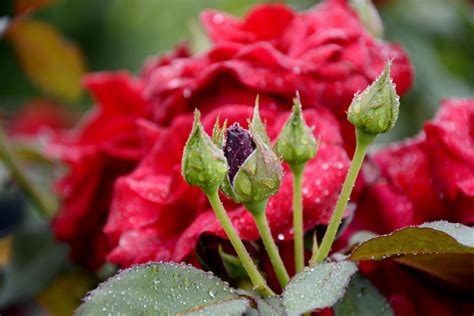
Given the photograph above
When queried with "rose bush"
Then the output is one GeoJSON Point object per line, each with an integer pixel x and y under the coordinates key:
{"type": "Point", "coordinates": [325, 53]}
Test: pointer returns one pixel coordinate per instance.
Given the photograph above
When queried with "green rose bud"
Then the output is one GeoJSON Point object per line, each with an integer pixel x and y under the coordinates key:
{"type": "Point", "coordinates": [375, 110]}
{"type": "Point", "coordinates": [254, 170]}
{"type": "Point", "coordinates": [296, 143]}
{"type": "Point", "coordinates": [203, 163]}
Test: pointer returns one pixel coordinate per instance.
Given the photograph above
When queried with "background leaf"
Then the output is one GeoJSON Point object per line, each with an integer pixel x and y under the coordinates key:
{"type": "Point", "coordinates": [36, 258]}
{"type": "Point", "coordinates": [442, 249]}
{"type": "Point", "coordinates": [50, 61]}
{"type": "Point", "coordinates": [317, 287]}
{"type": "Point", "coordinates": [362, 299]}
{"type": "Point", "coordinates": [167, 288]}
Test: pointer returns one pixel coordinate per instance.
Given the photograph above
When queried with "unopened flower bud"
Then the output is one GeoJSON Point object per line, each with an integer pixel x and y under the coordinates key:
{"type": "Point", "coordinates": [254, 170]}
{"type": "Point", "coordinates": [203, 164]}
{"type": "Point", "coordinates": [296, 143]}
{"type": "Point", "coordinates": [376, 109]}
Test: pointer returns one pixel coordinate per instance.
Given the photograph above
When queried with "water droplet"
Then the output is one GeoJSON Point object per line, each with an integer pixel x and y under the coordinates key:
{"type": "Point", "coordinates": [296, 70]}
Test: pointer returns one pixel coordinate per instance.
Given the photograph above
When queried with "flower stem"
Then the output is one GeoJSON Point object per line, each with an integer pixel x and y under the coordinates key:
{"type": "Point", "coordinates": [19, 176]}
{"type": "Point", "coordinates": [258, 211]}
{"type": "Point", "coordinates": [297, 170]}
{"type": "Point", "coordinates": [257, 279]}
{"type": "Point", "coordinates": [363, 140]}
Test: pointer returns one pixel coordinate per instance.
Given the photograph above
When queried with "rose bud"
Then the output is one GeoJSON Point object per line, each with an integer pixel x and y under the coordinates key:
{"type": "Point", "coordinates": [203, 163]}
{"type": "Point", "coordinates": [376, 109]}
{"type": "Point", "coordinates": [254, 170]}
{"type": "Point", "coordinates": [296, 143]}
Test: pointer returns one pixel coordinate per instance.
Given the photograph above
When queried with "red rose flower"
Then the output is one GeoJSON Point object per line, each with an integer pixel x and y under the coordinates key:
{"type": "Point", "coordinates": [39, 116]}
{"type": "Point", "coordinates": [325, 53]}
{"type": "Point", "coordinates": [428, 178]}
{"type": "Point", "coordinates": [103, 146]}
{"type": "Point", "coordinates": [409, 295]}
{"type": "Point", "coordinates": [155, 215]}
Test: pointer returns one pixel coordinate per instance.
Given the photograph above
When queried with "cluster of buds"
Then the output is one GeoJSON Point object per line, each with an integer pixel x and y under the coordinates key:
{"type": "Point", "coordinates": [242, 164]}
{"type": "Point", "coordinates": [238, 160]}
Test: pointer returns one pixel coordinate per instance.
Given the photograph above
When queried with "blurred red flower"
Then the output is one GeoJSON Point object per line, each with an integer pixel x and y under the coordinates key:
{"type": "Point", "coordinates": [103, 146]}
{"type": "Point", "coordinates": [38, 116]}
{"type": "Point", "coordinates": [325, 53]}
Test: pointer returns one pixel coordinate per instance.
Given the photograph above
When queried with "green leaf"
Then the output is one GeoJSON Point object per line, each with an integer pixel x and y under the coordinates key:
{"type": "Point", "coordinates": [317, 287]}
{"type": "Point", "coordinates": [362, 299]}
{"type": "Point", "coordinates": [233, 307]}
{"type": "Point", "coordinates": [52, 62]}
{"type": "Point", "coordinates": [442, 249]}
{"type": "Point", "coordinates": [271, 306]}
{"type": "Point", "coordinates": [163, 288]}
{"type": "Point", "coordinates": [232, 265]}
{"type": "Point", "coordinates": [36, 258]}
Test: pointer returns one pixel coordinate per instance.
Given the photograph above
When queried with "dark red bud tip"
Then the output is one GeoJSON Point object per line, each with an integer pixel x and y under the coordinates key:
{"type": "Point", "coordinates": [238, 146]}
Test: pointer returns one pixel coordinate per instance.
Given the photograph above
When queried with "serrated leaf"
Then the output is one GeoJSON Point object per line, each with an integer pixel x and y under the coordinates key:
{"type": "Point", "coordinates": [442, 249]}
{"type": "Point", "coordinates": [362, 299]}
{"type": "Point", "coordinates": [317, 287]}
{"type": "Point", "coordinates": [160, 288]}
{"type": "Point", "coordinates": [50, 61]}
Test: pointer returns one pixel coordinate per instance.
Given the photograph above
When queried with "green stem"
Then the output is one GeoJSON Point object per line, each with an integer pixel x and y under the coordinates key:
{"type": "Point", "coordinates": [297, 170]}
{"type": "Point", "coordinates": [363, 141]}
{"type": "Point", "coordinates": [249, 266]}
{"type": "Point", "coordinates": [19, 176]}
{"type": "Point", "coordinates": [258, 211]}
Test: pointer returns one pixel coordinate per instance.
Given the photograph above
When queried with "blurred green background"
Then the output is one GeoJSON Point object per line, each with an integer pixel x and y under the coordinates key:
{"type": "Point", "coordinates": [120, 34]}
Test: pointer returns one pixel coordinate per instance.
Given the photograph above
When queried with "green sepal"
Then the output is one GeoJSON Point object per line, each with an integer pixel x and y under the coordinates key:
{"type": "Point", "coordinates": [218, 133]}
{"type": "Point", "coordinates": [257, 125]}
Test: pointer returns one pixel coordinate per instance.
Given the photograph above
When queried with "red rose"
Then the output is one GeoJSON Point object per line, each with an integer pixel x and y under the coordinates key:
{"type": "Point", "coordinates": [325, 53]}
{"type": "Point", "coordinates": [39, 116]}
{"type": "Point", "coordinates": [428, 178]}
{"type": "Point", "coordinates": [155, 215]}
{"type": "Point", "coordinates": [409, 295]}
{"type": "Point", "coordinates": [104, 146]}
